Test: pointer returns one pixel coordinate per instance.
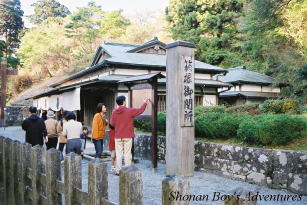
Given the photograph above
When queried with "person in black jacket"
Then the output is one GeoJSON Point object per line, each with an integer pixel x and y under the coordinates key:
{"type": "Point", "coordinates": [35, 128]}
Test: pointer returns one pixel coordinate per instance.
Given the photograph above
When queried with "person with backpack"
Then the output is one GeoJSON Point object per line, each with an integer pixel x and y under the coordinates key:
{"type": "Point", "coordinates": [52, 130]}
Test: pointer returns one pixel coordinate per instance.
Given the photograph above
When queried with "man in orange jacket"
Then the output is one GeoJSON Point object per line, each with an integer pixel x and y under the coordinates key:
{"type": "Point", "coordinates": [98, 128]}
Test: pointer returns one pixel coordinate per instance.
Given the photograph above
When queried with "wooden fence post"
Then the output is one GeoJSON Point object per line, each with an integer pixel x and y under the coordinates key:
{"type": "Point", "coordinates": [97, 181]}
{"type": "Point", "coordinates": [130, 186]}
{"type": "Point", "coordinates": [2, 169]}
{"type": "Point", "coordinates": [240, 197]}
{"type": "Point", "coordinates": [72, 177]}
{"type": "Point", "coordinates": [9, 171]}
{"type": "Point", "coordinates": [25, 166]}
{"type": "Point", "coordinates": [174, 185]}
{"type": "Point", "coordinates": [37, 169]}
{"type": "Point", "coordinates": [53, 173]}
{"type": "Point", "coordinates": [16, 174]}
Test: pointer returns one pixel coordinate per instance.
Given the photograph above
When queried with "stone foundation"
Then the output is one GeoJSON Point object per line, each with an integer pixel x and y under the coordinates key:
{"type": "Point", "coordinates": [280, 169]}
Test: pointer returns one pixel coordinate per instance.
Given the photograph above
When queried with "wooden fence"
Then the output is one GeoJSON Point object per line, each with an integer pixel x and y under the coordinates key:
{"type": "Point", "coordinates": [31, 175]}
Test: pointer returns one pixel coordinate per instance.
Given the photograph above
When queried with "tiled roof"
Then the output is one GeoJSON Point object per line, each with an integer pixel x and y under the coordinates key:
{"type": "Point", "coordinates": [241, 75]}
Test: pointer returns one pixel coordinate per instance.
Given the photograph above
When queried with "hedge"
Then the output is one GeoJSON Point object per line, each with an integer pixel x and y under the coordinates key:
{"type": "Point", "coordinates": [283, 106]}
{"type": "Point", "coordinates": [145, 125]}
{"type": "Point", "coordinates": [265, 129]}
{"type": "Point", "coordinates": [270, 129]}
{"type": "Point", "coordinates": [218, 125]}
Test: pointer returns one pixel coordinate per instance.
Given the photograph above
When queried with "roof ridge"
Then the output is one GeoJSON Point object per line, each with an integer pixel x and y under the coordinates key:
{"type": "Point", "coordinates": [119, 44]}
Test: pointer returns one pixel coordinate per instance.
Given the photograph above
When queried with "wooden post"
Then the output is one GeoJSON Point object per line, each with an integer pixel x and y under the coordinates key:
{"type": "Point", "coordinates": [154, 137]}
{"type": "Point", "coordinates": [130, 186]}
{"type": "Point", "coordinates": [97, 181]}
{"type": "Point", "coordinates": [72, 177]}
{"type": "Point", "coordinates": [9, 171]}
{"type": "Point", "coordinates": [16, 174]}
{"type": "Point", "coordinates": [19, 189]}
{"type": "Point", "coordinates": [180, 109]}
{"type": "Point", "coordinates": [25, 165]}
{"type": "Point", "coordinates": [37, 168]}
{"type": "Point", "coordinates": [3, 73]}
{"type": "Point", "coordinates": [241, 197]}
{"type": "Point", "coordinates": [53, 174]}
{"type": "Point", "coordinates": [130, 105]}
{"type": "Point", "coordinates": [170, 187]}
{"type": "Point", "coordinates": [2, 169]}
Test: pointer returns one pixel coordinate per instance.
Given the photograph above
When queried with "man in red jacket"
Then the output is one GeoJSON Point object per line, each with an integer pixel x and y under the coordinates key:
{"type": "Point", "coordinates": [122, 121]}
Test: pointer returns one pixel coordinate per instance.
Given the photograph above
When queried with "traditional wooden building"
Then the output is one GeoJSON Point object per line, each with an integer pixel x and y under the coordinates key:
{"type": "Point", "coordinates": [114, 62]}
{"type": "Point", "coordinates": [248, 87]}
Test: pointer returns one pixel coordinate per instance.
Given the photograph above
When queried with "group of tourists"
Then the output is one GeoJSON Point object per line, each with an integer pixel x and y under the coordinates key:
{"type": "Point", "coordinates": [55, 134]}
{"type": "Point", "coordinates": [68, 131]}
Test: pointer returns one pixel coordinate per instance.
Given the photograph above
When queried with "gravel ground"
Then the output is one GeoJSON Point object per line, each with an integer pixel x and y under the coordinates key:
{"type": "Point", "coordinates": [202, 183]}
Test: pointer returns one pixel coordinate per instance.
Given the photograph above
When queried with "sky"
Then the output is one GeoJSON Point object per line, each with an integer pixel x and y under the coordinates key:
{"type": "Point", "coordinates": [128, 6]}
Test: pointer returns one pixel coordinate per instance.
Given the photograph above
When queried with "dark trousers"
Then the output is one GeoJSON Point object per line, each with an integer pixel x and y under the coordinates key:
{"type": "Point", "coordinates": [52, 142]}
{"type": "Point", "coordinates": [61, 148]}
{"type": "Point", "coordinates": [73, 145]}
{"type": "Point", "coordinates": [98, 147]}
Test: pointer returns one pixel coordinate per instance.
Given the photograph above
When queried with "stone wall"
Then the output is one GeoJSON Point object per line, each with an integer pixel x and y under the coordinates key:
{"type": "Point", "coordinates": [15, 115]}
{"type": "Point", "coordinates": [282, 169]}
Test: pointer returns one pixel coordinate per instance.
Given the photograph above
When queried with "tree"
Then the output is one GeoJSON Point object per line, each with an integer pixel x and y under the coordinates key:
{"type": "Point", "coordinates": [269, 46]}
{"type": "Point", "coordinates": [89, 26]}
{"type": "Point", "coordinates": [45, 49]}
{"type": "Point", "coordinates": [145, 26]}
{"type": "Point", "coordinates": [11, 25]}
{"type": "Point", "coordinates": [210, 25]}
{"type": "Point", "coordinates": [43, 9]}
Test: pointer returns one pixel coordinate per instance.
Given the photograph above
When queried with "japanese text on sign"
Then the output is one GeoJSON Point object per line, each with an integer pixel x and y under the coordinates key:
{"type": "Point", "coordinates": [188, 91]}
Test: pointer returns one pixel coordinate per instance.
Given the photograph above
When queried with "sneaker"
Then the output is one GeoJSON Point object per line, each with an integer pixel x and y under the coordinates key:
{"type": "Point", "coordinates": [113, 169]}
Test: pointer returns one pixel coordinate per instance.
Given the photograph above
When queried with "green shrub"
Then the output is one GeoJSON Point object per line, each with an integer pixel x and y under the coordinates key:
{"type": "Point", "coordinates": [250, 109]}
{"type": "Point", "coordinates": [281, 106]}
{"type": "Point", "coordinates": [279, 129]}
{"type": "Point", "coordinates": [145, 125]}
{"type": "Point", "coordinates": [162, 123]}
{"type": "Point", "coordinates": [248, 131]}
{"type": "Point", "coordinates": [218, 125]}
{"type": "Point", "coordinates": [203, 110]}
{"type": "Point", "coordinates": [291, 106]}
{"type": "Point", "coordinates": [228, 125]}
{"type": "Point", "coordinates": [272, 106]}
{"type": "Point", "coordinates": [206, 125]}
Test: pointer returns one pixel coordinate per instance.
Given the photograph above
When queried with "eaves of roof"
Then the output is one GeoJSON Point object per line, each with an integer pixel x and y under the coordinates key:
{"type": "Point", "coordinates": [249, 94]}
{"type": "Point", "coordinates": [81, 73]}
{"type": "Point", "coordinates": [240, 82]}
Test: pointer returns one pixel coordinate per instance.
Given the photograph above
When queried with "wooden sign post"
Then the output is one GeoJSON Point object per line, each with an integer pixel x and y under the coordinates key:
{"type": "Point", "coordinates": [4, 72]}
{"type": "Point", "coordinates": [180, 109]}
{"type": "Point", "coordinates": [3, 90]}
